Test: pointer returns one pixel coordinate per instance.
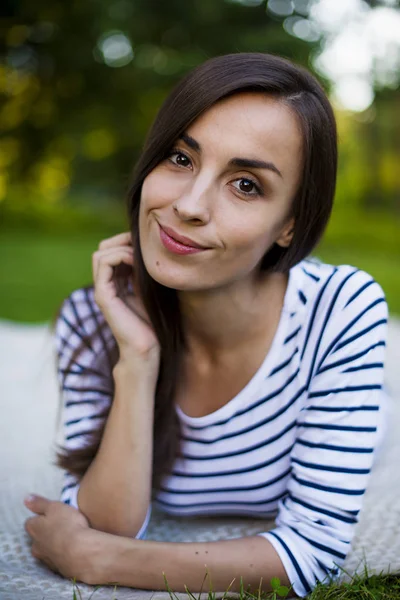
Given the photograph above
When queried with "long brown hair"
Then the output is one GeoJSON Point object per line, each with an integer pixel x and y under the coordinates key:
{"type": "Point", "coordinates": [210, 82]}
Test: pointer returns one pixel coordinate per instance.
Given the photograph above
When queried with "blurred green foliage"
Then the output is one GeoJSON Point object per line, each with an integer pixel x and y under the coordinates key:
{"type": "Point", "coordinates": [80, 83]}
{"type": "Point", "coordinates": [74, 116]}
{"type": "Point", "coordinates": [43, 266]}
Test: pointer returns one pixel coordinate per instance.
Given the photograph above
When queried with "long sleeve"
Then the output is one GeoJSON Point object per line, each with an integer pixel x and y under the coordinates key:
{"type": "Point", "coordinates": [338, 431]}
{"type": "Point", "coordinates": [84, 371]}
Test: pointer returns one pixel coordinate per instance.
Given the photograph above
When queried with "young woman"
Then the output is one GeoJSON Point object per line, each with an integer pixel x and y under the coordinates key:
{"type": "Point", "coordinates": [213, 365]}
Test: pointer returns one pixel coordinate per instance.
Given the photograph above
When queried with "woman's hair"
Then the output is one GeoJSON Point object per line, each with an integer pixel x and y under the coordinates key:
{"type": "Point", "coordinates": [208, 83]}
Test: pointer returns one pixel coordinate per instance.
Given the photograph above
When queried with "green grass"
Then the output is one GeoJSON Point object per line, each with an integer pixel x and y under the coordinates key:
{"type": "Point", "coordinates": [39, 268]}
{"type": "Point", "coordinates": [385, 268]}
{"type": "Point", "coordinates": [384, 586]}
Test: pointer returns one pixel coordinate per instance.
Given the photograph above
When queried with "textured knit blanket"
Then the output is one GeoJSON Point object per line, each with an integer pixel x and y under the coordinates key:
{"type": "Point", "coordinates": [29, 430]}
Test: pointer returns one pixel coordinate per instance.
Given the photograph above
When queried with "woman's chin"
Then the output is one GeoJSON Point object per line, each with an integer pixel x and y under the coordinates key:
{"type": "Point", "coordinates": [175, 281]}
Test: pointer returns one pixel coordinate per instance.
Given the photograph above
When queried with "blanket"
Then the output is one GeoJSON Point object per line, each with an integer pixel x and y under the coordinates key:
{"type": "Point", "coordinates": [30, 429]}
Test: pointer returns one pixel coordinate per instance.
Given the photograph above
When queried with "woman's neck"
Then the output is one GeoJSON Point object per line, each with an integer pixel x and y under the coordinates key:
{"type": "Point", "coordinates": [218, 323]}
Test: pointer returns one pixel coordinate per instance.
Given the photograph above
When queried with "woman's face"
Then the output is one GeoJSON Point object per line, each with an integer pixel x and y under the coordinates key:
{"type": "Point", "coordinates": [228, 185]}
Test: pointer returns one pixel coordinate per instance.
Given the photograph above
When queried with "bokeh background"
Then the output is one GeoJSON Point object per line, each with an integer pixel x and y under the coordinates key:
{"type": "Point", "coordinates": [81, 81]}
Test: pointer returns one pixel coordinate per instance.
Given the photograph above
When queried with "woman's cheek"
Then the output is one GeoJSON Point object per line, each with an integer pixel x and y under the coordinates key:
{"type": "Point", "coordinates": [161, 188]}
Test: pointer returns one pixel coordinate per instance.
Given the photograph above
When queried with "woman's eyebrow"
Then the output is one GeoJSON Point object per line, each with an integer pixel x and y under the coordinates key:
{"type": "Point", "coordinates": [191, 142]}
{"type": "Point", "coordinates": [252, 163]}
{"type": "Point", "coordinates": [244, 163]}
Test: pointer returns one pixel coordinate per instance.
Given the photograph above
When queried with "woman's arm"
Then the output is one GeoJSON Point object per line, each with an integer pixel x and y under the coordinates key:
{"type": "Point", "coordinates": [115, 492]}
{"type": "Point", "coordinates": [338, 430]}
{"type": "Point", "coordinates": [197, 565]}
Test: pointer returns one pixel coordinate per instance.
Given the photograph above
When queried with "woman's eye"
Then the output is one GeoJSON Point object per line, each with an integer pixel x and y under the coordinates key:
{"type": "Point", "coordinates": [180, 159]}
{"type": "Point", "coordinates": [247, 186]}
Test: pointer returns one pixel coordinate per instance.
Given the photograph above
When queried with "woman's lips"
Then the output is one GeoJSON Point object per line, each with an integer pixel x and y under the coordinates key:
{"type": "Point", "coordinates": [175, 246]}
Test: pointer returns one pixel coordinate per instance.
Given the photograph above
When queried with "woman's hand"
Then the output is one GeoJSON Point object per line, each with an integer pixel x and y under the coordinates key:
{"type": "Point", "coordinates": [57, 533]}
{"type": "Point", "coordinates": [113, 265]}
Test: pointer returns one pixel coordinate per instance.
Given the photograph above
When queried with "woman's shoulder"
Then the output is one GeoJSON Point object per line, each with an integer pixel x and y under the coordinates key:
{"type": "Point", "coordinates": [335, 285]}
{"type": "Point", "coordinates": [325, 299]}
{"type": "Point", "coordinates": [344, 306]}
{"type": "Point", "coordinates": [81, 324]}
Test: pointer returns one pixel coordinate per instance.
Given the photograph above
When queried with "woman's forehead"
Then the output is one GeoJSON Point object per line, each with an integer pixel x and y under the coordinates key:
{"type": "Point", "coordinates": [251, 124]}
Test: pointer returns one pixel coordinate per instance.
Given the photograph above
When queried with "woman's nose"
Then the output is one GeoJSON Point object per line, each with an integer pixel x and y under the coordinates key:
{"type": "Point", "coordinates": [193, 205]}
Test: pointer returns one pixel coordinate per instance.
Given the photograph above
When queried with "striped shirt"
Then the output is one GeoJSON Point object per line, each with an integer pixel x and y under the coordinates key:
{"type": "Point", "coordinates": [297, 442]}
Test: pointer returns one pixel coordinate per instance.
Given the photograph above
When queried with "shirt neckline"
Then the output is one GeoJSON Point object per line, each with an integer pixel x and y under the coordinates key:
{"type": "Point", "coordinates": [228, 409]}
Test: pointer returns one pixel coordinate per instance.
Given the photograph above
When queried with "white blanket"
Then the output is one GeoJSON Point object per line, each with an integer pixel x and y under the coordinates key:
{"type": "Point", "coordinates": [29, 431]}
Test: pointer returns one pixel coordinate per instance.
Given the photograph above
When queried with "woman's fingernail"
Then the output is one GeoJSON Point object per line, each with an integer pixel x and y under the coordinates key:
{"type": "Point", "coordinates": [29, 498]}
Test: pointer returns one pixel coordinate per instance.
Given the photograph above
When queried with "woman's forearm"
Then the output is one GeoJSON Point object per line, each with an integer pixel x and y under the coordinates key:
{"type": "Point", "coordinates": [115, 492]}
{"type": "Point", "coordinates": [141, 564]}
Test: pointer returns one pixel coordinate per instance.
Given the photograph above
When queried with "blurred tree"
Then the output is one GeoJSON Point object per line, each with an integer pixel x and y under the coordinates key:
{"type": "Point", "coordinates": [80, 83]}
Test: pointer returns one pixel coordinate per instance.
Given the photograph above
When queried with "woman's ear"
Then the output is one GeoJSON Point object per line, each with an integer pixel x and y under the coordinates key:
{"type": "Point", "coordinates": [286, 235]}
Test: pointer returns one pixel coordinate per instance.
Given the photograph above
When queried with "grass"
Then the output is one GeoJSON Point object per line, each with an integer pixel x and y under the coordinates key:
{"type": "Point", "coordinates": [365, 586]}
{"type": "Point", "coordinates": [39, 270]}
{"type": "Point", "coordinates": [40, 267]}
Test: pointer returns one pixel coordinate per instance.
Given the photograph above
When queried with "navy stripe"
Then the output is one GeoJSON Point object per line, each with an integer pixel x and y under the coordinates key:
{"type": "Point", "coordinates": [326, 320]}
{"type": "Point", "coordinates": [284, 364]}
{"type": "Point", "coordinates": [79, 434]}
{"type": "Point", "coordinates": [335, 448]}
{"type": "Point", "coordinates": [330, 468]}
{"type": "Point", "coordinates": [90, 390]}
{"type": "Point", "coordinates": [365, 367]}
{"type": "Point", "coordinates": [99, 330]}
{"type": "Point", "coordinates": [310, 274]}
{"type": "Point", "coordinates": [319, 545]}
{"type": "Point", "coordinates": [332, 345]}
{"type": "Point", "coordinates": [360, 334]}
{"type": "Point", "coordinates": [294, 562]}
{"type": "Point", "coordinates": [329, 427]}
{"type": "Point", "coordinates": [62, 344]}
{"type": "Point", "coordinates": [84, 370]}
{"type": "Point", "coordinates": [246, 469]}
{"type": "Point", "coordinates": [90, 417]}
{"type": "Point", "coordinates": [250, 428]}
{"type": "Point", "coordinates": [83, 338]}
{"type": "Point", "coordinates": [313, 316]}
{"type": "Point", "coordinates": [69, 486]}
{"type": "Point", "coordinates": [348, 388]}
{"type": "Point", "coordinates": [328, 488]}
{"type": "Point", "coordinates": [302, 297]}
{"type": "Point", "coordinates": [359, 316]}
{"type": "Point", "coordinates": [356, 294]}
{"type": "Point", "coordinates": [276, 452]}
{"type": "Point", "coordinates": [244, 450]}
{"type": "Point", "coordinates": [82, 401]}
{"type": "Point", "coordinates": [65, 342]}
{"type": "Point", "coordinates": [76, 313]}
{"type": "Point", "coordinates": [371, 408]}
{"type": "Point", "coordinates": [260, 486]}
{"type": "Point", "coordinates": [292, 335]}
{"type": "Point", "coordinates": [257, 404]}
{"type": "Point", "coordinates": [323, 511]}
{"type": "Point", "coordinates": [330, 572]}
{"type": "Point", "coordinates": [348, 359]}
{"type": "Point", "coordinates": [216, 503]}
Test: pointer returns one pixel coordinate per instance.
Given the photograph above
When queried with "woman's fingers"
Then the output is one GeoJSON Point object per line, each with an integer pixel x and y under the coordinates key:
{"type": "Point", "coordinates": [104, 260]}
{"type": "Point", "coordinates": [38, 554]}
{"type": "Point", "coordinates": [116, 240]}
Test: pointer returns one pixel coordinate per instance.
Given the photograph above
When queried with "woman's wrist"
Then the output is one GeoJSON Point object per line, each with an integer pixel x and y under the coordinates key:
{"type": "Point", "coordinates": [101, 550]}
{"type": "Point", "coordinates": [125, 372]}
{"type": "Point", "coordinates": [91, 556]}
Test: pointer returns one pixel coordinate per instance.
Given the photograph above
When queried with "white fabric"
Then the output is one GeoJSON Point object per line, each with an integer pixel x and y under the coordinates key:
{"type": "Point", "coordinates": [297, 441]}
{"type": "Point", "coordinates": [29, 396]}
